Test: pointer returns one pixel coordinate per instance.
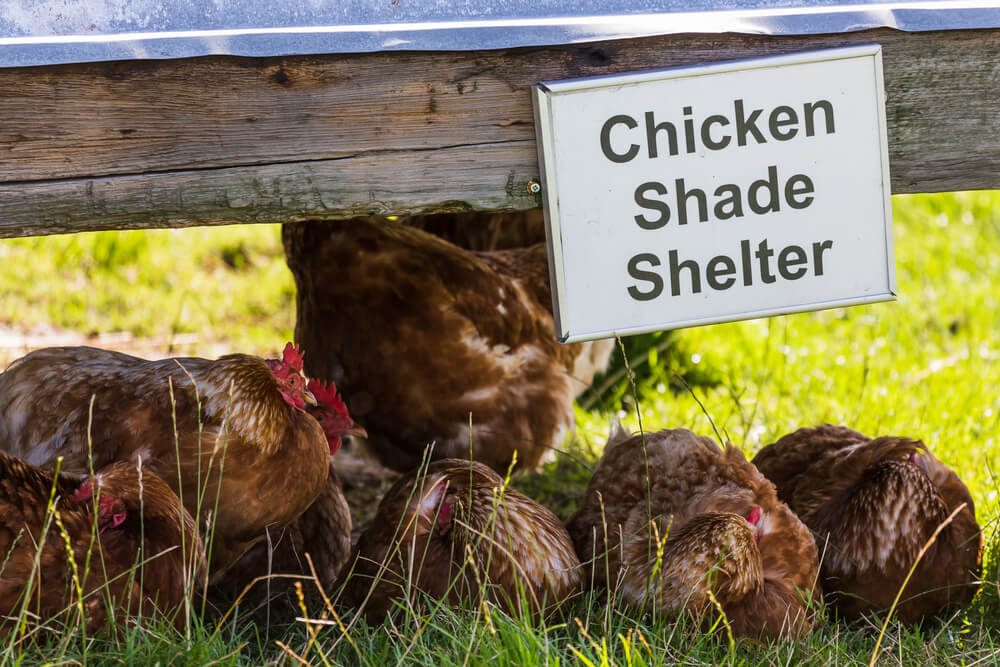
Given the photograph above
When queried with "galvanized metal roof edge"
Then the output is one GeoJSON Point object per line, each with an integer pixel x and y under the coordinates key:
{"type": "Point", "coordinates": [485, 34]}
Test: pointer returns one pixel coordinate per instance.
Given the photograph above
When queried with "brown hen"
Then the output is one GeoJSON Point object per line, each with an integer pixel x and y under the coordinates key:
{"type": "Point", "coordinates": [246, 453]}
{"type": "Point", "coordinates": [323, 530]}
{"type": "Point", "coordinates": [134, 520]}
{"type": "Point", "coordinates": [873, 504]}
{"type": "Point", "coordinates": [425, 338]}
{"type": "Point", "coordinates": [670, 520]}
{"type": "Point", "coordinates": [456, 533]}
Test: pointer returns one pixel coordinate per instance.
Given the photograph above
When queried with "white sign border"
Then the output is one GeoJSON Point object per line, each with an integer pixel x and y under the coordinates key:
{"type": "Point", "coordinates": [541, 96]}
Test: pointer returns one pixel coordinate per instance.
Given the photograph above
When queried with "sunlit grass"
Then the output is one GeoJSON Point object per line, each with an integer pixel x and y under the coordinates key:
{"type": "Point", "coordinates": [188, 287]}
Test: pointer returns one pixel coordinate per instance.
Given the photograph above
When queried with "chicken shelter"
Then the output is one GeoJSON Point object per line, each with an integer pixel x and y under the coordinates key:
{"type": "Point", "coordinates": [329, 118]}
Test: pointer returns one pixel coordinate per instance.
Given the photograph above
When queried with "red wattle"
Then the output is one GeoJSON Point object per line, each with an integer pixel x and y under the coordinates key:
{"type": "Point", "coordinates": [444, 517]}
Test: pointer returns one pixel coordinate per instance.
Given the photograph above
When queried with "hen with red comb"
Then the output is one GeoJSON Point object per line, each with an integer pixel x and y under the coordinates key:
{"type": "Point", "coordinates": [135, 518]}
{"type": "Point", "coordinates": [248, 457]}
{"type": "Point", "coordinates": [454, 531]}
{"type": "Point", "coordinates": [681, 520]}
{"type": "Point", "coordinates": [111, 511]}
{"type": "Point", "coordinates": [331, 413]}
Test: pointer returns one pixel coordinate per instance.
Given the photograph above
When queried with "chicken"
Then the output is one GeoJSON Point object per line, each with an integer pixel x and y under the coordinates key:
{"type": "Point", "coordinates": [323, 530]}
{"type": "Point", "coordinates": [444, 530]}
{"type": "Point", "coordinates": [431, 343]}
{"type": "Point", "coordinates": [669, 520]}
{"type": "Point", "coordinates": [139, 520]}
{"type": "Point", "coordinates": [872, 505]}
{"type": "Point", "coordinates": [247, 456]}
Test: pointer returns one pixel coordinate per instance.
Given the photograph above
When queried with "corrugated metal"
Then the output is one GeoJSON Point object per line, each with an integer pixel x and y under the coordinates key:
{"type": "Point", "coordinates": [39, 32]}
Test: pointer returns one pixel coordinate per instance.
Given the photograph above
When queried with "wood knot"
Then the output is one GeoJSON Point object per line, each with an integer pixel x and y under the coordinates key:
{"type": "Point", "coordinates": [598, 57]}
{"type": "Point", "coordinates": [280, 77]}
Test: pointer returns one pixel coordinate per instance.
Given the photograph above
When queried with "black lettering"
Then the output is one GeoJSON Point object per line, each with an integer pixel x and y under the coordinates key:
{"type": "Point", "coordinates": [791, 191]}
{"type": "Point", "coordinates": [734, 201]}
{"type": "Point", "coordinates": [675, 274]}
{"type": "Point", "coordinates": [747, 270]}
{"type": "Point", "coordinates": [771, 185]}
{"type": "Point", "coordinates": [713, 272]}
{"type": "Point", "coordinates": [652, 204]}
{"type": "Point", "coordinates": [652, 129]}
{"type": "Point", "coordinates": [682, 200]}
{"type": "Point", "coordinates": [776, 123]}
{"type": "Point", "coordinates": [706, 133]}
{"type": "Point", "coordinates": [809, 110]}
{"type": "Point", "coordinates": [764, 254]}
{"type": "Point", "coordinates": [747, 124]}
{"type": "Point", "coordinates": [818, 249]}
{"type": "Point", "coordinates": [784, 261]}
{"type": "Point", "coordinates": [633, 149]}
{"type": "Point", "coordinates": [689, 131]}
{"type": "Point", "coordinates": [649, 276]}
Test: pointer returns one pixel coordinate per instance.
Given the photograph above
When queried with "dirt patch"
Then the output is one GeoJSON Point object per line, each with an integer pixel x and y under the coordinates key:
{"type": "Point", "coordinates": [15, 342]}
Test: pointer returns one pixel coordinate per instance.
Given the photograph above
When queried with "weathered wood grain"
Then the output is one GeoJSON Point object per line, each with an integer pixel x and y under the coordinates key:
{"type": "Point", "coordinates": [494, 176]}
{"type": "Point", "coordinates": [222, 139]}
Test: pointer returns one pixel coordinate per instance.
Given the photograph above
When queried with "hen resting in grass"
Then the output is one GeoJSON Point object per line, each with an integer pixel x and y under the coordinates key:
{"type": "Point", "coordinates": [873, 504]}
{"type": "Point", "coordinates": [323, 530]}
{"type": "Point", "coordinates": [424, 337]}
{"type": "Point", "coordinates": [443, 532]}
{"type": "Point", "coordinates": [272, 457]}
{"type": "Point", "coordinates": [138, 520]}
{"type": "Point", "coordinates": [702, 520]}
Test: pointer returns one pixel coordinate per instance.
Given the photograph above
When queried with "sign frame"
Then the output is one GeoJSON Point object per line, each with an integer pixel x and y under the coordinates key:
{"type": "Point", "coordinates": [542, 94]}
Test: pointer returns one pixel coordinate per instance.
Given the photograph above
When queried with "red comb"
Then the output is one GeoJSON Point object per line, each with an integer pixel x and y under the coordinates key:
{"type": "Point", "coordinates": [85, 492]}
{"type": "Point", "coordinates": [326, 394]}
{"type": "Point", "coordinates": [754, 516]}
{"type": "Point", "coordinates": [293, 356]}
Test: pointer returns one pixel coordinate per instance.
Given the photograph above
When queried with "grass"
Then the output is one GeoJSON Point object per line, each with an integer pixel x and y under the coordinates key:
{"type": "Point", "coordinates": [926, 365]}
{"type": "Point", "coordinates": [176, 289]}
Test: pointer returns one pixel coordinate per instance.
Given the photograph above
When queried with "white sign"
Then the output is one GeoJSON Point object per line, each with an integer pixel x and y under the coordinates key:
{"type": "Point", "coordinates": [720, 192]}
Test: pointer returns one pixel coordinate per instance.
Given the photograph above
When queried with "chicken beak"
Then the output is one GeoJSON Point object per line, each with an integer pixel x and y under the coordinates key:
{"type": "Point", "coordinates": [308, 397]}
{"type": "Point", "coordinates": [356, 431]}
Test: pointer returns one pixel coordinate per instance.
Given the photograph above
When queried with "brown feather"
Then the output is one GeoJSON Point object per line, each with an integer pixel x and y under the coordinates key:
{"type": "Point", "coordinates": [323, 531]}
{"type": "Point", "coordinates": [420, 335]}
{"type": "Point", "coordinates": [873, 504]}
{"type": "Point", "coordinates": [682, 491]}
{"type": "Point", "coordinates": [156, 531]}
{"type": "Point", "coordinates": [459, 526]}
{"type": "Point", "coordinates": [231, 421]}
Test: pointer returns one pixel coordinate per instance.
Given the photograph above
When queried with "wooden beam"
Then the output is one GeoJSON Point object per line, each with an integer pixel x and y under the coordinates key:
{"type": "Point", "coordinates": [221, 140]}
{"type": "Point", "coordinates": [398, 181]}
